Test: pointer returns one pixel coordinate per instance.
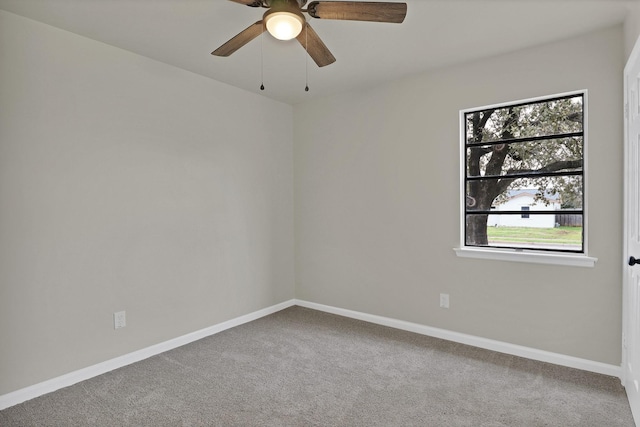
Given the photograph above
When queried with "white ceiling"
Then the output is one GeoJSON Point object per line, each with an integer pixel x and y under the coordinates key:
{"type": "Point", "coordinates": [434, 34]}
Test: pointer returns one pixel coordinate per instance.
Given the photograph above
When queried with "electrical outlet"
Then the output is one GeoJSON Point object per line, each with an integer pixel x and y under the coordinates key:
{"type": "Point", "coordinates": [444, 300]}
{"type": "Point", "coordinates": [119, 320]}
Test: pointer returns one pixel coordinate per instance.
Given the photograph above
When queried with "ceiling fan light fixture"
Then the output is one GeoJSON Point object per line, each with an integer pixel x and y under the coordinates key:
{"type": "Point", "coordinates": [284, 24]}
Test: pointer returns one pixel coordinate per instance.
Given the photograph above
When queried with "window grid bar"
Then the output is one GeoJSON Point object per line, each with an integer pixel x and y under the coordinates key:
{"type": "Point", "coordinates": [554, 212]}
{"type": "Point", "coordinates": [527, 139]}
{"type": "Point", "coordinates": [533, 174]}
{"type": "Point", "coordinates": [575, 251]}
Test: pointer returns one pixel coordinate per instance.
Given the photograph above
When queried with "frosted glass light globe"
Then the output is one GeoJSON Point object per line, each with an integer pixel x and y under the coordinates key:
{"type": "Point", "coordinates": [284, 25]}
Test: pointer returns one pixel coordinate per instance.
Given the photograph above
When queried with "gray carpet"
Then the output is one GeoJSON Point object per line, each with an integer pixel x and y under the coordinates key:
{"type": "Point", "coordinates": [301, 367]}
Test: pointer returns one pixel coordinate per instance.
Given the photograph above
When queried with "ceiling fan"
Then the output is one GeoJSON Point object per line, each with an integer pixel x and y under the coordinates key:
{"type": "Point", "coordinates": [284, 20]}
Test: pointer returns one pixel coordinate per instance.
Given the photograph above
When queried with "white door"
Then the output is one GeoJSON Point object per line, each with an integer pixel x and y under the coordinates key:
{"type": "Point", "coordinates": [631, 270]}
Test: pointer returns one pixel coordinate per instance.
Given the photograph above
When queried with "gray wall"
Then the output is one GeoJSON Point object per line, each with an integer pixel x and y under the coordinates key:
{"type": "Point", "coordinates": [127, 184]}
{"type": "Point", "coordinates": [377, 203]}
{"type": "Point", "coordinates": [631, 29]}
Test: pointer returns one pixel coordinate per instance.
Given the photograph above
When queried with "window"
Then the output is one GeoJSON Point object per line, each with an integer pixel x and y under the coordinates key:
{"type": "Point", "coordinates": [523, 174]}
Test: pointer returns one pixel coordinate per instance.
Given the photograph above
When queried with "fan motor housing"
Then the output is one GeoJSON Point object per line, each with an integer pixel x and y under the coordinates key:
{"type": "Point", "coordinates": [272, 3]}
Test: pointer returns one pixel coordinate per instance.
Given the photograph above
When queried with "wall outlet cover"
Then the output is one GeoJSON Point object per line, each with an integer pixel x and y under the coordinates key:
{"type": "Point", "coordinates": [119, 320]}
{"type": "Point", "coordinates": [444, 300]}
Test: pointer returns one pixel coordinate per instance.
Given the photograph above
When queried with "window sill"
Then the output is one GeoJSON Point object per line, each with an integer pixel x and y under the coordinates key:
{"type": "Point", "coordinates": [527, 256]}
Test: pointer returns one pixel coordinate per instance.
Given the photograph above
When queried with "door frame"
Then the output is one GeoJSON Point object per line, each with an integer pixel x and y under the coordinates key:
{"type": "Point", "coordinates": [627, 314]}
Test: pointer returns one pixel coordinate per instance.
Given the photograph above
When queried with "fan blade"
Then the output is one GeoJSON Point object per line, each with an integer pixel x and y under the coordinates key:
{"type": "Point", "coordinates": [315, 47]}
{"type": "Point", "coordinates": [244, 37]}
{"type": "Point", "coordinates": [358, 11]}
{"type": "Point", "coordinates": [252, 3]}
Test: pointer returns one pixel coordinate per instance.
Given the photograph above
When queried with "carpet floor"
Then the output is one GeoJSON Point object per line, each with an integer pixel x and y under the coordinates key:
{"type": "Point", "coordinates": [301, 367]}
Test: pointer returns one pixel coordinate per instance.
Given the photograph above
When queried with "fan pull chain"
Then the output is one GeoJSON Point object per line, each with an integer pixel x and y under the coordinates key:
{"type": "Point", "coordinates": [306, 62]}
{"type": "Point", "coordinates": [262, 58]}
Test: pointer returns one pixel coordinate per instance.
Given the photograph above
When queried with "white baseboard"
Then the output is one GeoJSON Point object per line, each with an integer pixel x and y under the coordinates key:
{"type": "Point", "coordinates": [31, 392]}
{"type": "Point", "coordinates": [499, 346]}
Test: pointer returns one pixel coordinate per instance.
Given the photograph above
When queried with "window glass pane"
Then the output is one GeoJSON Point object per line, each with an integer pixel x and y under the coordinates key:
{"type": "Point", "coordinates": [524, 166]}
{"type": "Point", "coordinates": [539, 231]}
{"type": "Point", "coordinates": [520, 121]}
{"type": "Point", "coordinates": [546, 193]}
{"type": "Point", "coordinates": [553, 155]}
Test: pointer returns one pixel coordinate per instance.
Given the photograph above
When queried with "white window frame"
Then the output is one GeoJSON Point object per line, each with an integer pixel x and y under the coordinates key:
{"type": "Point", "coordinates": [526, 255]}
